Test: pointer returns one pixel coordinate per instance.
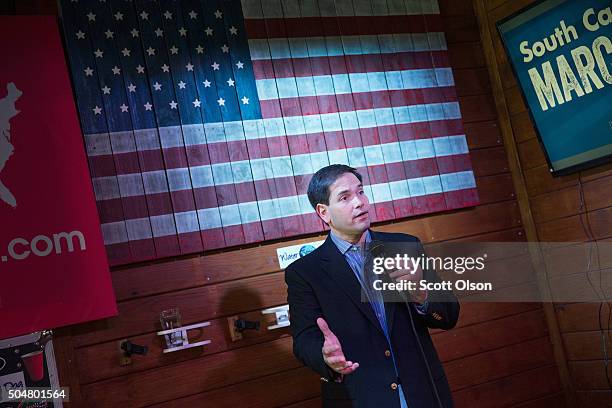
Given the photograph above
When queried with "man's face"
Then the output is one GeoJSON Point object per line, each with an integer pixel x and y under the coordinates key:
{"type": "Point", "coordinates": [348, 209]}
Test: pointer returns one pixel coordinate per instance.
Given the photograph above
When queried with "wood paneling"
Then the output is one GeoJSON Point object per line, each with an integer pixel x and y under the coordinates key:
{"type": "Point", "coordinates": [461, 29]}
{"type": "Point", "coordinates": [556, 400]}
{"type": "Point", "coordinates": [582, 316]}
{"type": "Point", "coordinates": [510, 390]}
{"type": "Point", "coordinates": [495, 188]}
{"type": "Point", "coordinates": [557, 204]}
{"type": "Point", "coordinates": [199, 304]}
{"type": "Point", "coordinates": [590, 375]}
{"type": "Point", "coordinates": [194, 375]}
{"type": "Point", "coordinates": [477, 108]}
{"type": "Point", "coordinates": [585, 345]}
{"type": "Point", "coordinates": [498, 355]}
{"type": "Point", "coordinates": [482, 134]}
{"type": "Point", "coordinates": [283, 387]}
{"type": "Point", "coordinates": [531, 154]}
{"type": "Point", "coordinates": [499, 363]}
{"type": "Point", "coordinates": [576, 207]}
{"type": "Point", "coordinates": [590, 399]}
{"type": "Point", "coordinates": [486, 162]}
{"type": "Point", "coordinates": [482, 336]}
{"type": "Point", "coordinates": [466, 55]}
{"type": "Point", "coordinates": [522, 127]}
{"type": "Point", "coordinates": [515, 101]}
{"type": "Point", "coordinates": [472, 81]}
{"type": "Point", "coordinates": [310, 403]}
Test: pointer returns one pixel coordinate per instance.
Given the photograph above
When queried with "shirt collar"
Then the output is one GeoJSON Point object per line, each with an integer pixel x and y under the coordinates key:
{"type": "Point", "coordinates": [343, 245]}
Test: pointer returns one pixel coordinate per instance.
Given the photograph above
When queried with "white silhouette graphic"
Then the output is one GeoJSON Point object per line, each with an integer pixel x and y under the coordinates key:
{"type": "Point", "coordinates": [7, 112]}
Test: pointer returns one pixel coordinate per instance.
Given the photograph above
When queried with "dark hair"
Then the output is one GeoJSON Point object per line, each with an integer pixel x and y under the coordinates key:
{"type": "Point", "coordinates": [318, 188]}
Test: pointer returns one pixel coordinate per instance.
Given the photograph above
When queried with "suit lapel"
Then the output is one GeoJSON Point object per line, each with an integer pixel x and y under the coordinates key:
{"type": "Point", "coordinates": [334, 264]}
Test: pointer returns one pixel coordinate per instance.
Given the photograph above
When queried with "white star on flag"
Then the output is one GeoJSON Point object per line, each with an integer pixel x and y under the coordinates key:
{"type": "Point", "coordinates": [116, 70]}
{"type": "Point", "coordinates": [230, 82]}
{"type": "Point", "coordinates": [159, 32]}
{"type": "Point", "coordinates": [208, 31]}
{"type": "Point", "coordinates": [245, 100]}
{"type": "Point", "coordinates": [118, 16]}
{"type": "Point", "coordinates": [221, 102]}
{"type": "Point", "coordinates": [215, 66]}
{"type": "Point", "coordinates": [134, 33]}
{"type": "Point", "coordinates": [132, 87]}
{"type": "Point", "coordinates": [181, 85]}
{"type": "Point", "coordinates": [174, 50]}
{"type": "Point", "coordinates": [140, 69]}
{"type": "Point", "coordinates": [168, 15]}
{"type": "Point", "coordinates": [125, 52]}
{"type": "Point", "coordinates": [97, 110]}
{"type": "Point", "coordinates": [218, 14]}
{"type": "Point", "coordinates": [144, 15]}
{"type": "Point", "coordinates": [182, 31]}
{"type": "Point", "coordinates": [91, 16]}
{"type": "Point", "coordinates": [189, 66]}
{"type": "Point", "coordinates": [165, 68]}
{"type": "Point", "coordinates": [173, 105]}
{"type": "Point", "coordinates": [106, 90]}
{"type": "Point", "coordinates": [225, 48]}
{"type": "Point", "coordinates": [200, 49]}
{"type": "Point", "coordinates": [80, 35]}
{"type": "Point", "coordinates": [148, 106]}
{"type": "Point", "coordinates": [233, 30]}
{"type": "Point", "coordinates": [240, 65]}
{"type": "Point", "coordinates": [109, 34]}
{"type": "Point", "coordinates": [124, 108]}
{"type": "Point", "coordinates": [88, 71]}
{"type": "Point", "coordinates": [206, 83]}
{"type": "Point", "coordinates": [157, 86]}
{"type": "Point", "coordinates": [193, 14]}
{"type": "Point", "coordinates": [98, 53]}
{"type": "Point", "coordinates": [151, 51]}
{"type": "Point", "coordinates": [197, 103]}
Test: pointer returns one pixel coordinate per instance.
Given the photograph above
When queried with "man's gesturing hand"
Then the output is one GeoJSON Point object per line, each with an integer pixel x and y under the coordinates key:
{"type": "Point", "coordinates": [332, 351]}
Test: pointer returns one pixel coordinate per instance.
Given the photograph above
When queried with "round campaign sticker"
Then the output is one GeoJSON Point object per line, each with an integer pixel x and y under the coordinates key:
{"type": "Point", "coordinates": [306, 249]}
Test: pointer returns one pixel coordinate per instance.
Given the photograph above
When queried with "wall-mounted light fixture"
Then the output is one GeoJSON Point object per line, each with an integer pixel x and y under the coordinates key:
{"type": "Point", "coordinates": [176, 335]}
{"type": "Point", "coordinates": [282, 316]}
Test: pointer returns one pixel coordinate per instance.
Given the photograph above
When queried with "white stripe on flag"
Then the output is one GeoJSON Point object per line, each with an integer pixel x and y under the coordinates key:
{"type": "Point", "coordinates": [340, 84]}
{"type": "Point", "coordinates": [281, 48]}
{"type": "Point", "coordinates": [330, 8]}
{"type": "Point", "coordinates": [290, 206]}
{"type": "Point", "coordinates": [299, 125]}
{"type": "Point", "coordinates": [244, 171]}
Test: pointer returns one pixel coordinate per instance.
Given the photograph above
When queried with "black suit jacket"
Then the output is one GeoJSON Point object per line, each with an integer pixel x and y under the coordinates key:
{"type": "Point", "coordinates": [322, 284]}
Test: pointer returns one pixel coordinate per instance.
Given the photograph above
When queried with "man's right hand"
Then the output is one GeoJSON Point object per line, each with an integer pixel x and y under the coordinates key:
{"type": "Point", "coordinates": [332, 351]}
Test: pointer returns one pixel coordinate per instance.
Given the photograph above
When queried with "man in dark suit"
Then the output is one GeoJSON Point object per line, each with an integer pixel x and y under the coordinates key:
{"type": "Point", "coordinates": [368, 353]}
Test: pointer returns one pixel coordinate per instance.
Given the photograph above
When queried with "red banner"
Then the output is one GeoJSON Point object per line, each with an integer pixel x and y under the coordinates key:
{"type": "Point", "coordinates": [53, 266]}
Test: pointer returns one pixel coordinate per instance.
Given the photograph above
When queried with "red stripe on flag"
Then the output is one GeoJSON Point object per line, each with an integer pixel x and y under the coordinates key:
{"type": "Point", "coordinates": [349, 25]}
{"type": "Point", "coordinates": [167, 246]}
{"type": "Point", "coordinates": [354, 101]}
{"type": "Point", "coordinates": [142, 250]}
{"type": "Point", "coordinates": [118, 254]}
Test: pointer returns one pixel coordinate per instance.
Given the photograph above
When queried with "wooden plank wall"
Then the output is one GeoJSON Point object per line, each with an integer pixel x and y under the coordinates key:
{"type": "Point", "coordinates": [559, 214]}
{"type": "Point", "coordinates": [499, 355]}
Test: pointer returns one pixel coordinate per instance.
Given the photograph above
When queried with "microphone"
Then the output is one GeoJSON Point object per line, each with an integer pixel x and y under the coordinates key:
{"type": "Point", "coordinates": [378, 249]}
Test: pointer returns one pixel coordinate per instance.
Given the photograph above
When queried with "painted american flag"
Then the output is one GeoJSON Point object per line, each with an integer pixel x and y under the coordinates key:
{"type": "Point", "coordinates": [205, 119]}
